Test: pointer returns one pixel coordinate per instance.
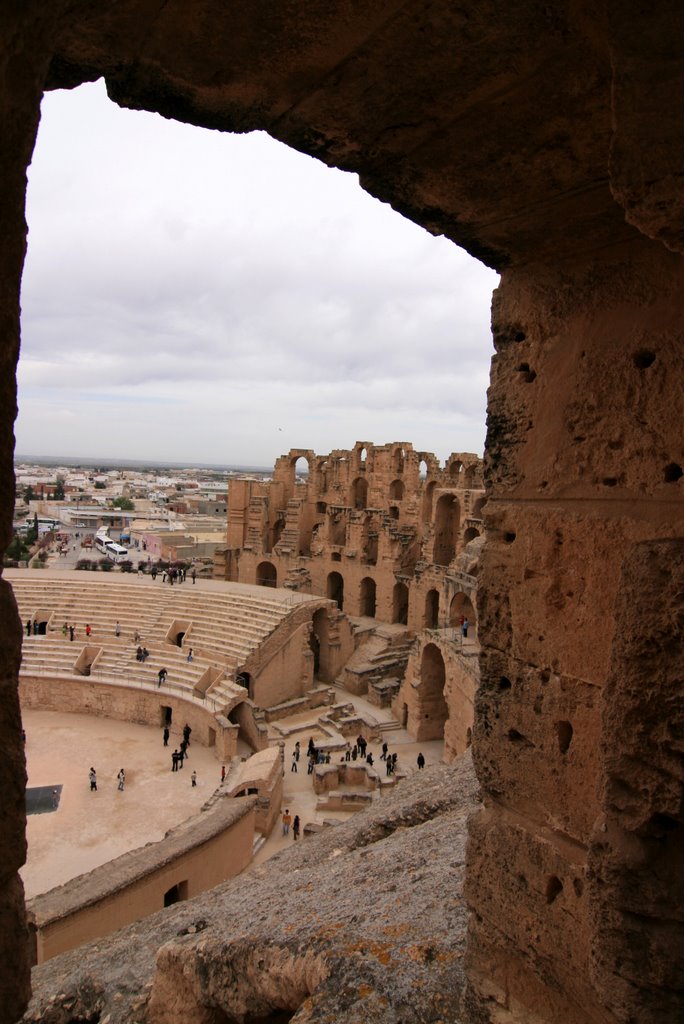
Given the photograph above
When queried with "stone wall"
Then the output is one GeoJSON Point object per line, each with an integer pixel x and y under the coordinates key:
{"type": "Point", "coordinates": [359, 526]}
{"type": "Point", "coordinates": [197, 855]}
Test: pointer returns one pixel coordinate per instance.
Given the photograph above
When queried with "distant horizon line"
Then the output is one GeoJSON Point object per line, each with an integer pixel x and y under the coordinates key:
{"type": "Point", "coordinates": [123, 463]}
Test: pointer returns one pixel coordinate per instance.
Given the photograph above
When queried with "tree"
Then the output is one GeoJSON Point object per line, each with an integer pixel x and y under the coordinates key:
{"type": "Point", "coordinates": [29, 493]}
{"type": "Point", "coordinates": [100, 486]}
{"type": "Point", "coordinates": [59, 488]}
{"type": "Point", "coordinates": [125, 504]}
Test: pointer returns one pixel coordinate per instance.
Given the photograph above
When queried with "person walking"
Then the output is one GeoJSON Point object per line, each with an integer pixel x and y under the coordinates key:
{"type": "Point", "coordinates": [295, 828]}
{"type": "Point", "coordinates": [117, 628]}
{"type": "Point", "coordinates": [92, 776]}
{"type": "Point", "coordinates": [122, 778]}
{"type": "Point", "coordinates": [223, 773]}
{"type": "Point", "coordinates": [464, 628]}
{"type": "Point", "coordinates": [383, 756]}
{"type": "Point", "coordinates": [193, 778]}
{"type": "Point", "coordinates": [420, 761]}
{"type": "Point", "coordinates": [186, 734]}
{"type": "Point", "coordinates": [184, 749]}
{"type": "Point", "coordinates": [88, 629]}
{"type": "Point", "coordinates": [28, 627]}
{"type": "Point", "coordinates": [194, 575]}
{"type": "Point", "coordinates": [296, 746]}
{"type": "Point", "coordinates": [189, 658]}
{"type": "Point", "coordinates": [161, 676]}
{"type": "Point", "coordinates": [287, 821]}
{"type": "Point", "coordinates": [174, 761]}
{"type": "Point", "coordinates": [166, 735]}
{"type": "Point", "coordinates": [294, 761]}
{"type": "Point", "coordinates": [72, 632]}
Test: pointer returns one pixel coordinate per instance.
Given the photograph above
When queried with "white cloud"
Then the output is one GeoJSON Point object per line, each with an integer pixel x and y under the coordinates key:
{"type": "Point", "coordinates": [196, 296]}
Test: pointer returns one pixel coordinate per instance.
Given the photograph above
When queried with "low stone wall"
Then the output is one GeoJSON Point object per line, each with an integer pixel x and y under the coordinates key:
{"type": "Point", "coordinates": [140, 705]}
{"type": "Point", "coordinates": [203, 851]}
{"type": "Point", "coordinates": [330, 776]}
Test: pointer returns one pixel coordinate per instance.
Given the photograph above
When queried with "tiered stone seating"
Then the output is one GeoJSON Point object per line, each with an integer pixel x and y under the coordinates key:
{"type": "Point", "coordinates": [223, 625]}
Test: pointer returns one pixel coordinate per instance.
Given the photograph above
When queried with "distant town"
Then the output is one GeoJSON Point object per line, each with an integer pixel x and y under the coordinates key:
{"type": "Point", "coordinates": [75, 514]}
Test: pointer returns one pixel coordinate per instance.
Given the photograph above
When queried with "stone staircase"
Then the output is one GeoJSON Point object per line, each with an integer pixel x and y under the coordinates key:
{"type": "Point", "coordinates": [382, 656]}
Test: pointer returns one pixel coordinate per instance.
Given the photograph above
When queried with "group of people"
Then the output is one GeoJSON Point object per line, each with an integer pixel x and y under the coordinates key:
{"type": "Point", "coordinates": [288, 820]}
{"type": "Point", "coordinates": [174, 575]}
{"type": "Point", "coordinates": [181, 752]}
{"type": "Point", "coordinates": [141, 654]}
{"type": "Point", "coordinates": [120, 780]}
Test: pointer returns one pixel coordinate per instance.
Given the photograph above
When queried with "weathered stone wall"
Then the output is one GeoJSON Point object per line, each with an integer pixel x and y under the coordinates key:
{"type": "Point", "coordinates": [376, 516]}
{"type": "Point", "coordinates": [202, 852]}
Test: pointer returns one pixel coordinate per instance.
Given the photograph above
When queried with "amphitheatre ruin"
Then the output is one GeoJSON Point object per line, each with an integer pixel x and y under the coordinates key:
{"type": "Point", "coordinates": [534, 875]}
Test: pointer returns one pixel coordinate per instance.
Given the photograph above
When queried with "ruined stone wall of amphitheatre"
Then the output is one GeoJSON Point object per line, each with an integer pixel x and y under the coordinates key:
{"type": "Point", "coordinates": [547, 140]}
{"type": "Point", "coordinates": [378, 528]}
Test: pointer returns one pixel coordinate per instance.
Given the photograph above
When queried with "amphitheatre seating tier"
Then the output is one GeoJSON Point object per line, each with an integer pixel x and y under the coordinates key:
{"type": "Point", "coordinates": [222, 623]}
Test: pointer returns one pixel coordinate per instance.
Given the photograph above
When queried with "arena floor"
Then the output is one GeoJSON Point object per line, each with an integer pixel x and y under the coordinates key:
{"type": "Point", "coordinates": [88, 829]}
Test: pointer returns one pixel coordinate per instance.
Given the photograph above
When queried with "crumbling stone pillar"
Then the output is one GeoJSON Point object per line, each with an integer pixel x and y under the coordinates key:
{"type": "Point", "coordinates": [584, 468]}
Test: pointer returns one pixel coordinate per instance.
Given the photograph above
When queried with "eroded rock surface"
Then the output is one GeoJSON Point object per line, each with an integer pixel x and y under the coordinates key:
{"type": "Point", "coordinates": [364, 922]}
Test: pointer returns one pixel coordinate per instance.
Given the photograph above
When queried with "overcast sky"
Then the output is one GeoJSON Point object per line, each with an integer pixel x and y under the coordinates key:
{"type": "Point", "coordinates": [195, 296]}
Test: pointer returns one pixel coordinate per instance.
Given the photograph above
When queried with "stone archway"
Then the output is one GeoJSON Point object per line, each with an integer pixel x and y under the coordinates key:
{"type": "Point", "coordinates": [400, 603]}
{"type": "Point", "coordinates": [431, 617]}
{"type": "Point", "coordinates": [462, 607]}
{"type": "Point", "coordinates": [447, 521]}
{"type": "Point", "coordinates": [266, 574]}
{"type": "Point", "coordinates": [432, 711]}
{"type": "Point", "coordinates": [335, 588]}
{"type": "Point", "coordinates": [368, 597]}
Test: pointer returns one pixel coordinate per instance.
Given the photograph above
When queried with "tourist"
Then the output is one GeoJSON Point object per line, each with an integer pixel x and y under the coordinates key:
{"type": "Point", "coordinates": [189, 658]}
{"type": "Point", "coordinates": [164, 576]}
{"type": "Point", "coordinates": [181, 756]}
{"type": "Point", "coordinates": [117, 628]}
{"type": "Point", "coordinates": [194, 575]}
{"type": "Point", "coordinates": [88, 629]}
{"type": "Point", "coordinates": [223, 773]}
{"type": "Point", "coordinates": [312, 762]}
{"type": "Point", "coordinates": [389, 766]}
{"type": "Point", "coordinates": [287, 820]}
{"type": "Point", "coordinates": [136, 637]}
{"type": "Point", "coordinates": [154, 573]}
{"type": "Point", "coordinates": [311, 747]}
{"type": "Point", "coordinates": [139, 654]}
{"type": "Point", "coordinates": [295, 828]}
{"type": "Point", "coordinates": [161, 675]}
{"type": "Point", "coordinates": [122, 778]}
{"type": "Point", "coordinates": [193, 778]}
{"type": "Point", "coordinates": [296, 746]}
{"type": "Point", "coordinates": [145, 654]}
{"type": "Point", "coordinates": [186, 734]}
{"type": "Point", "coordinates": [35, 627]}
{"type": "Point", "coordinates": [72, 632]}
{"type": "Point", "coordinates": [184, 749]}
{"type": "Point", "coordinates": [65, 630]}
{"type": "Point", "coordinates": [369, 759]}
{"type": "Point", "coordinates": [174, 761]}
{"type": "Point", "coordinates": [92, 775]}
{"type": "Point", "coordinates": [420, 761]}
{"type": "Point", "coordinates": [347, 753]}
{"type": "Point", "coordinates": [166, 734]}
{"type": "Point", "coordinates": [28, 627]}
{"type": "Point", "coordinates": [464, 628]}
{"type": "Point", "coordinates": [354, 753]}
{"type": "Point", "coordinates": [394, 762]}
{"type": "Point", "coordinates": [294, 761]}
{"type": "Point", "coordinates": [383, 756]}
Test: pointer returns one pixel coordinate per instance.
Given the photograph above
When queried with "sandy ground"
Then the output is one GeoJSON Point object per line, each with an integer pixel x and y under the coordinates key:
{"type": "Point", "coordinates": [88, 829]}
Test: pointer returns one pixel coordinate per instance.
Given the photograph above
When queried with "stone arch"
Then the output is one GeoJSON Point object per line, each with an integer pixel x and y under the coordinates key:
{"type": "Point", "coordinates": [359, 493]}
{"type": "Point", "coordinates": [470, 534]}
{"type": "Point", "coordinates": [431, 616]}
{"type": "Point", "coordinates": [298, 463]}
{"type": "Point", "coordinates": [461, 605]}
{"type": "Point", "coordinates": [423, 469]}
{"type": "Point", "coordinates": [368, 597]}
{"type": "Point", "coordinates": [472, 476]}
{"type": "Point", "coordinates": [432, 709]}
{"type": "Point", "coordinates": [266, 574]}
{"type": "Point", "coordinates": [396, 491]}
{"type": "Point", "coordinates": [428, 498]}
{"type": "Point", "coordinates": [478, 507]}
{"type": "Point", "coordinates": [335, 588]}
{"type": "Point", "coordinates": [400, 603]}
{"type": "Point", "coordinates": [447, 521]}
{"type": "Point", "coordinates": [398, 459]}
{"type": "Point", "coordinates": [455, 472]}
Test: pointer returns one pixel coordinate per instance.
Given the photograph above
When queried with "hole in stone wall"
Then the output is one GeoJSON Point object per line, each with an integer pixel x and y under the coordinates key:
{"type": "Point", "coordinates": [564, 733]}
{"type": "Point", "coordinates": [504, 683]}
{"type": "Point", "coordinates": [609, 481]}
{"type": "Point", "coordinates": [643, 358]}
{"type": "Point", "coordinates": [673, 472]}
{"type": "Point", "coordinates": [527, 374]}
{"type": "Point", "coordinates": [509, 537]}
{"type": "Point", "coordinates": [515, 736]}
{"type": "Point", "coordinates": [520, 336]}
{"type": "Point", "coordinates": [554, 887]}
